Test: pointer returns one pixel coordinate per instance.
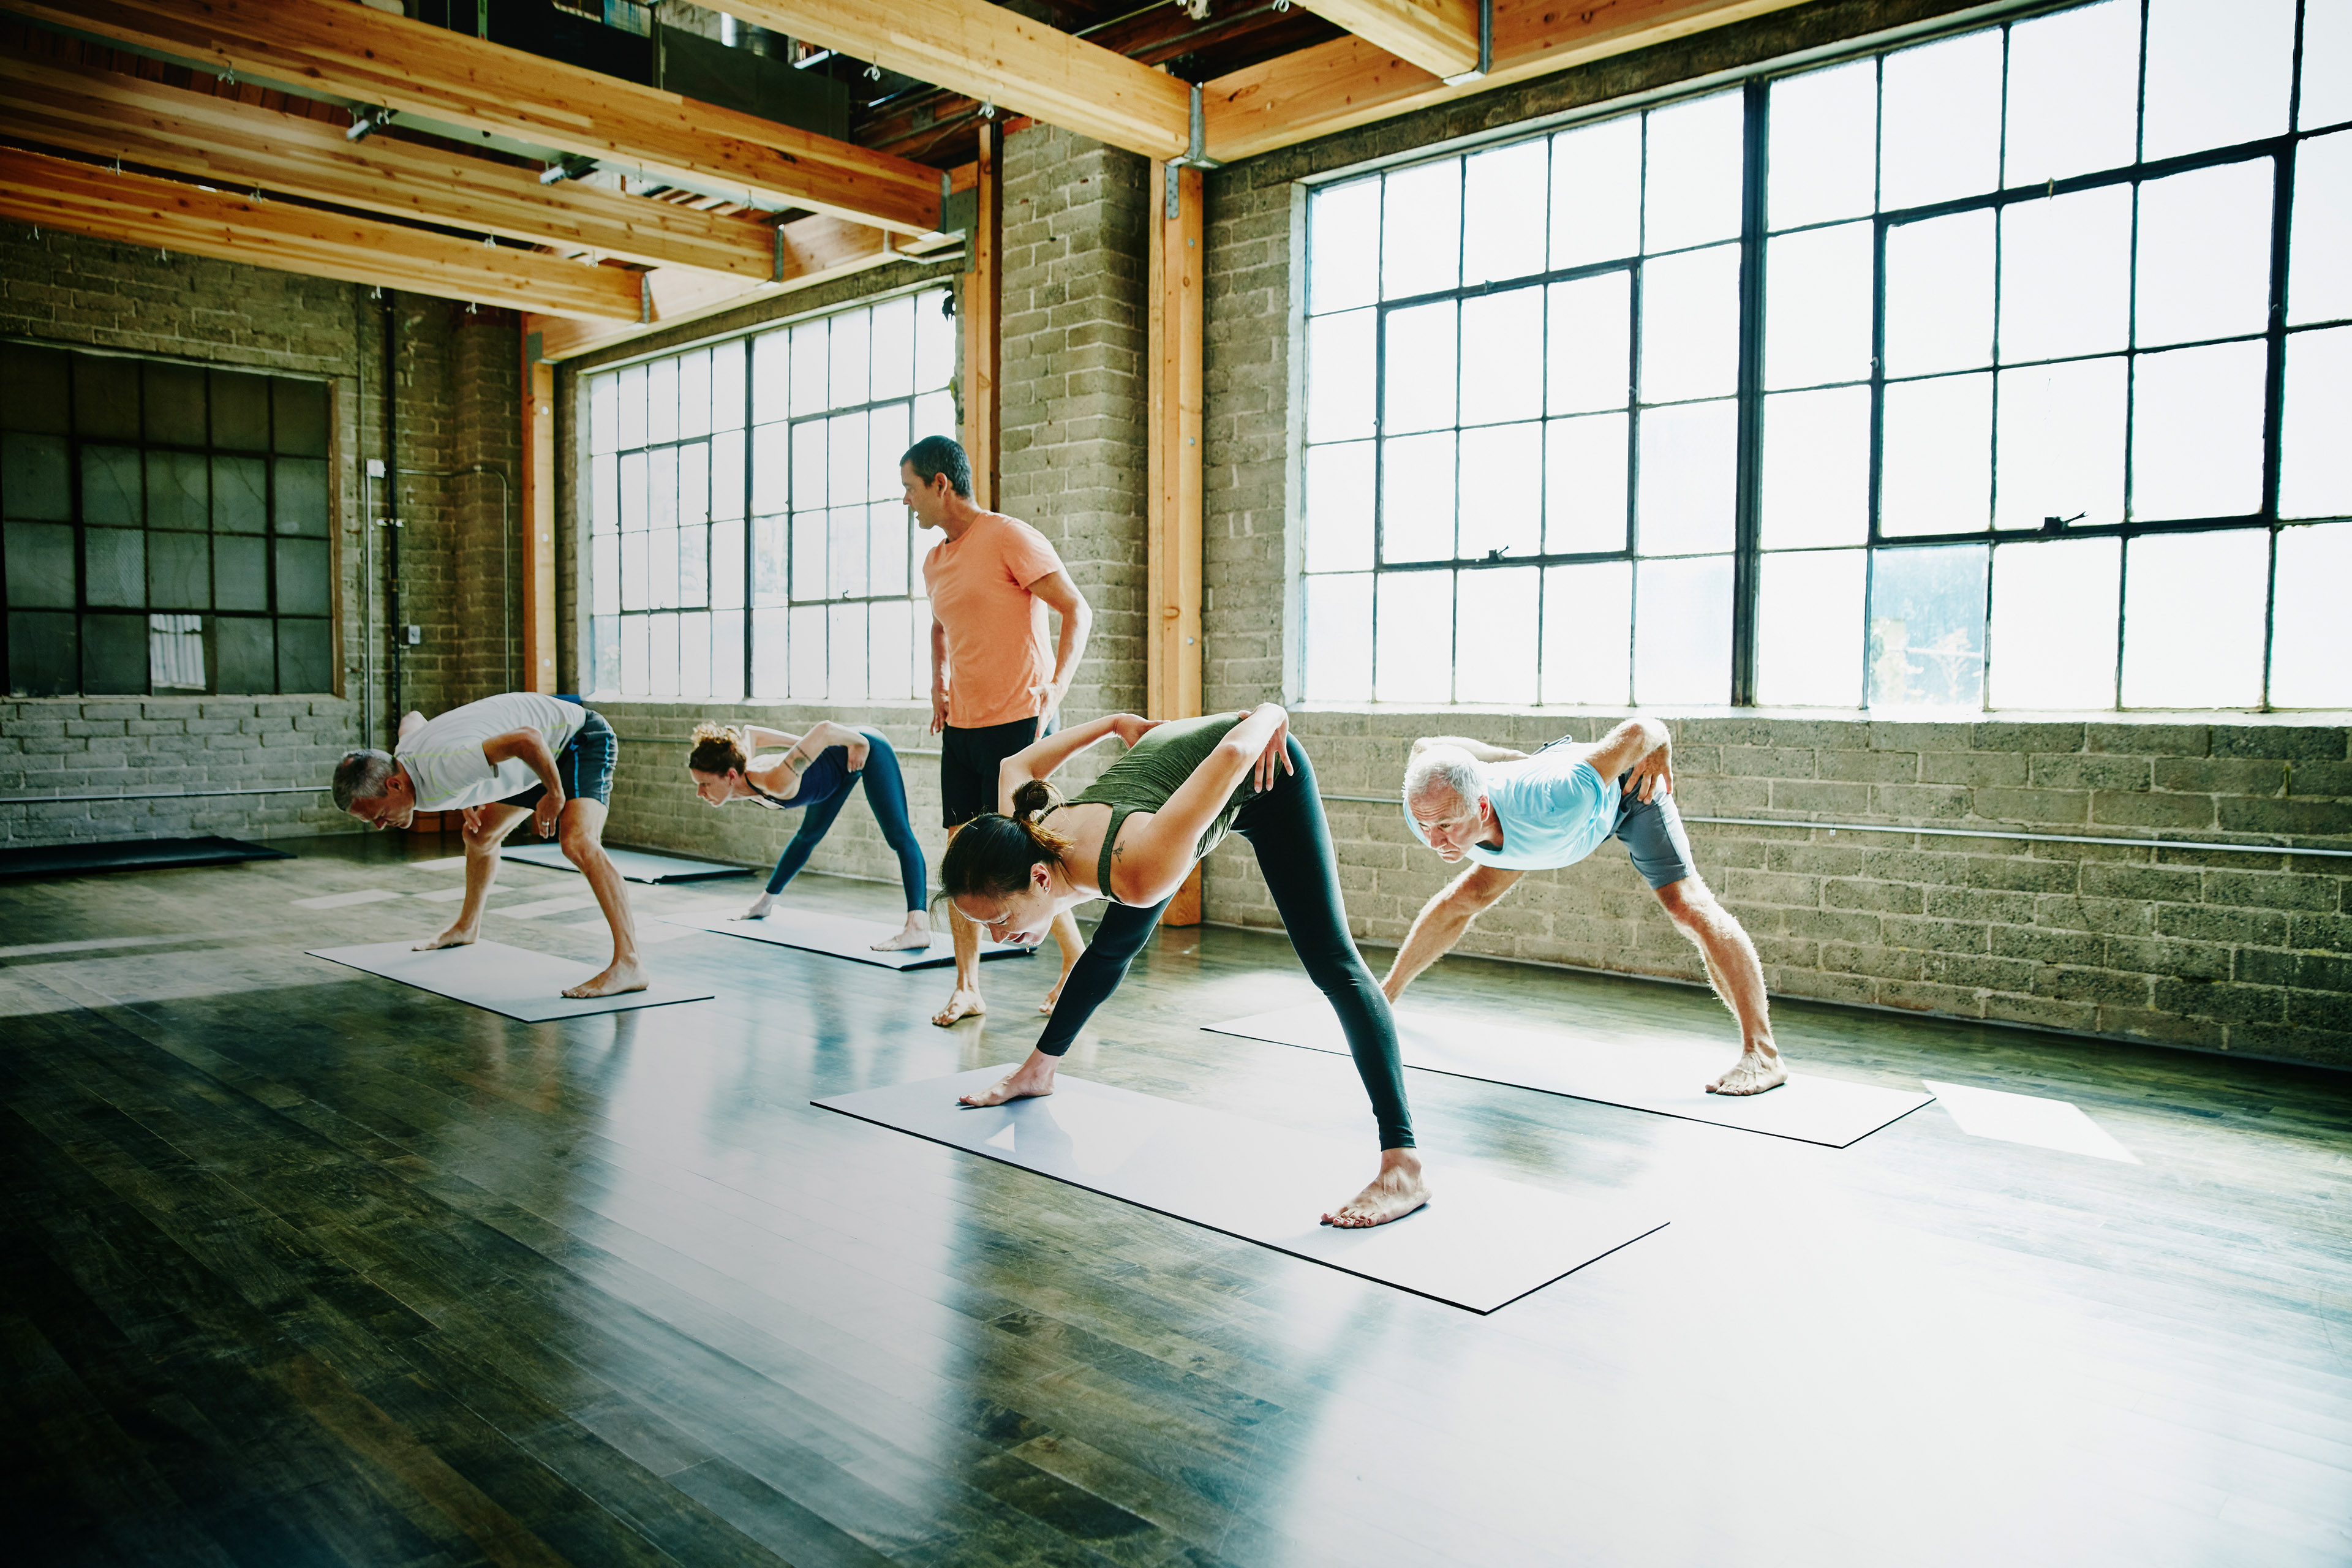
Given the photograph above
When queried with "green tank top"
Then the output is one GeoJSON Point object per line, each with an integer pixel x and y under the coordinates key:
{"type": "Point", "coordinates": [1151, 771]}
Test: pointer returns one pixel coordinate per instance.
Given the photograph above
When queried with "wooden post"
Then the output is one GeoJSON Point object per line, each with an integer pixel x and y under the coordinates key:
{"type": "Point", "coordinates": [984, 318]}
{"type": "Point", "coordinates": [1173, 351]}
{"type": "Point", "coordinates": [538, 521]}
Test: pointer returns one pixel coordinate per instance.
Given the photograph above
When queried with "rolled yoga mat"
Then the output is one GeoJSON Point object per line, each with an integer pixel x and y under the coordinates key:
{"type": "Point", "coordinates": [1481, 1243]}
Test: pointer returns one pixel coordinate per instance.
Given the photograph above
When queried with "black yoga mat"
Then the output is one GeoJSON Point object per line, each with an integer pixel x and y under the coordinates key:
{"type": "Point", "coordinates": [130, 855]}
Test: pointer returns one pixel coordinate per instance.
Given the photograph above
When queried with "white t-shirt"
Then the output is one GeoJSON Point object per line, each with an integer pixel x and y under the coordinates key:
{"type": "Point", "coordinates": [445, 760]}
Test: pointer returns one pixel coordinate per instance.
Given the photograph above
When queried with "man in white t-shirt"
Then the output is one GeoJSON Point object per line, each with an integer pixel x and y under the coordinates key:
{"type": "Point", "coordinates": [1510, 814]}
{"type": "Point", "coordinates": [499, 760]}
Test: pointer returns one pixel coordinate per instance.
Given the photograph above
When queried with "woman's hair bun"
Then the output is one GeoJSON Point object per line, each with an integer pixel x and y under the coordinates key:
{"type": "Point", "coordinates": [716, 749]}
{"type": "Point", "coordinates": [1033, 799]}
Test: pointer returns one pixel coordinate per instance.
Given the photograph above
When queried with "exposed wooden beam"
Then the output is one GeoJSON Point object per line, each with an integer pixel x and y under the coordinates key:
{"type": "Point", "coordinates": [814, 250]}
{"type": "Point", "coordinates": [1350, 81]}
{"type": "Point", "coordinates": [539, 482]}
{"type": "Point", "coordinates": [225, 142]}
{"type": "Point", "coordinates": [138, 209]}
{"type": "Point", "coordinates": [1441, 36]}
{"type": "Point", "coordinates": [1173, 373]}
{"type": "Point", "coordinates": [983, 320]}
{"type": "Point", "coordinates": [340, 50]}
{"type": "Point", "coordinates": [999, 57]}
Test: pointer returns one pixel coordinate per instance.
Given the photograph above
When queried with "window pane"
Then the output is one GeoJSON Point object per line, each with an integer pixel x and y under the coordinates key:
{"type": "Point", "coordinates": [629, 397]}
{"type": "Point", "coordinates": [770, 560]}
{"type": "Point", "coordinates": [693, 566]}
{"type": "Point", "coordinates": [727, 658]}
{"type": "Point", "coordinates": [847, 551]}
{"type": "Point", "coordinates": [1340, 383]}
{"type": "Point", "coordinates": [604, 414]}
{"type": "Point", "coordinates": [305, 656]}
{"type": "Point", "coordinates": [2315, 456]}
{"type": "Point", "coordinates": [1591, 335]}
{"type": "Point", "coordinates": [935, 415]}
{"type": "Point", "coordinates": [771, 468]}
{"type": "Point", "coordinates": [810, 538]}
{"type": "Point", "coordinates": [2318, 284]}
{"type": "Point", "coordinates": [808, 376]}
{"type": "Point", "coordinates": [632, 655]}
{"type": "Point", "coordinates": [1338, 507]}
{"type": "Point", "coordinates": [2066, 275]}
{"type": "Point", "coordinates": [2205, 254]}
{"type": "Point", "coordinates": [41, 565]}
{"type": "Point", "coordinates": [2327, 96]}
{"type": "Point", "coordinates": [2218, 583]}
{"type": "Point", "coordinates": [661, 568]}
{"type": "Point", "coordinates": [245, 653]}
{"type": "Point", "coordinates": [1939, 294]}
{"type": "Point", "coordinates": [891, 662]}
{"type": "Point", "coordinates": [633, 491]}
{"type": "Point", "coordinates": [894, 351]}
{"type": "Point", "coordinates": [1337, 637]}
{"type": "Point", "coordinates": [1421, 230]}
{"type": "Point", "coordinates": [1596, 193]}
{"type": "Point", "coordinates": [1343, 246]}
{"type": "Point", "coordinates": [886, 438]}
{"type": "Point", "coordinates": [1415, 637]}
{"type": "Point", "coordinates": [769, 643]}
{"type": "Point", "coordinates": [633, 572]}
{"type": "Point", "coordinates": [2216, 74]}
{"type": "Point", "coordinates": [694, 483]}
{"type": "Point", "coordinates": [44, 654]}
{"type": "Point", "coordinates": [845, 457]}
{"type": "Point", "coordinates": [114, 657]}
{"type": "Point", "coordinates": [694, 655]}
{"type": "Point", "coordinates": [1682, 631]}
{"type": "Point", "coordinates": [727, 566]}
{"type": "Point", "coordinates": [1418, 374]}
{"type": "Point", "coordinates": [850, 382]}
{"type": "Point", "coordinates": [661, 488]}
{"type": "Point", "coordinates": [604, 574]}
{"type": "Point", "coordinates": [2053, 623]}
{"type": "Point", "coordinates": [1494, 647]}
{"type": "Point", "coordinates": [1935, 456]}
{"type": "Point", "coordinates": [1690, 325]}
{"type": "Point", "coordinates": [240, 573]}
{"type": "Point", "coordinates": [1927, 626]}
{"type": "Point", "coordinates": [694, 393]}
{"type": "Point", "coordinates": [2074, 92]}
{"type": "Point", "coordinates": [179, 571]}
{"type": "Point", "coordinates": [771, 375]}
{"type": "Point", "coordinates": [1817, 306]}
{"type": "Point", "coordinates": [661, 649]}
{"type": "Point", "coordinates": [1417, 498]}
{"type": "Point", "coordinates": [886, 530]}
{"type": "Point", "coordinates": [661, 400]}
{"type": "Point", "coordinates": [33, 483]}
{"type": "Point", "coordinates": [604, 495]}
{"type": "Point", "coordinates": [2197, 432]}
{"type": "Point", "coordinates": [1809, 629]}
{"type": "Point", "coordinates": [1502, 376]}
{"type": "Point", "coordinates": [110, 488]}
{"type": "Point", "coordinates": [1588, 632]}
{"type": "Point", "coordinates": [298, 416]}
{"type": "Point", "coordinates": [105, 397]}
{"type": "Point", "coordinates": [114, 567]}
{"type": "Point", "coordinates": [1824, 143]}
{"type": "Point", "coordinates": [175, 654]}
{"type": "Point", "coordinates": [1503, 229]}
{"type": "Point", "coordinates": [36, 390]}
{"type": "Point", "coordinates": [809, 487]}
{"type": "Point", "coordinates": [1502, 492]}
{"type": "Point", "coordinates": [1689, 453]}
{"type": "Point", "coordinates": [1584, 485]}
{"type": "Point", "coordinates": [2061, 445]}
{"type": "Point", "coordinates": [1691, 190]}
{"type": "Point", "coordinates": [726, 451]}
{"type": "Point", "coordinates": [2311, 637]}
{"type": "Point", "coordinates": [240, 492]}
{"type": "Point", "coordinates": [174, 404]}
{"type": "Point", "coordinates": [1939, 130]}
{"type": "Point", "coordinates": [936, 345]}
{"type": "Point", "coordinates": [727, 384]}
{"type": "Point", "coordinates": [1816, 467]}
{"type": "Point", "coordinates": [178, 491]}
{"type": "Point", "coordinates": [605, 649]}
{"type": "Point", "coordinates": [299, 496]}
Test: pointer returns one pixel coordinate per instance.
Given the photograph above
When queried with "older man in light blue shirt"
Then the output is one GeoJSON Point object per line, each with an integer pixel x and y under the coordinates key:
{"type": "Point", "coordinates": [1509, 814]}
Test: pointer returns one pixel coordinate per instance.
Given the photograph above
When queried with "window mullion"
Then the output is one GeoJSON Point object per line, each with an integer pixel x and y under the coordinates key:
{"type": "Point", "coordinates": [1747, 563]}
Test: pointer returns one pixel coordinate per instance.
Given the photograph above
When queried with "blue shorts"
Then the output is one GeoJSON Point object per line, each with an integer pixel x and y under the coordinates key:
{"type": "Point", "coordinates": [585, 766]}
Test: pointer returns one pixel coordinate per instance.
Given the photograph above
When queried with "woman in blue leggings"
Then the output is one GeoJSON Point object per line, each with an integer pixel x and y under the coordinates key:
{"type": "Point", "coordinates": [814, 774]}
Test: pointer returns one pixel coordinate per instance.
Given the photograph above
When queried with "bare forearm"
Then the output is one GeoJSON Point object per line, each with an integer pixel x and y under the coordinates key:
{"type": "Point", "coordinates": [1078, 625]}
{"type": "Point", "coordinates": [756, 736]}
{"type": "Point", "coordinates": [1478, 749]}
{"type": "Point", "coordinates": [530, 747]}
{"type": "Point", "coordinates": [1434, 931]}
{"type": "Point", "coordinates": [938, 656]}
{"type": "Point", "coordinates": [1041, 758]}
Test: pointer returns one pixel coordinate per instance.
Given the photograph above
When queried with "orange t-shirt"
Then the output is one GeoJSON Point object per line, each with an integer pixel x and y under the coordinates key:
{"type": "Point", "coordinates": [996, 626]}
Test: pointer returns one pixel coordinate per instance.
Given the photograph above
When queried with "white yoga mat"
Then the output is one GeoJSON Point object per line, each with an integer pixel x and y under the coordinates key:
{"type": "Point", "coordinates": [842, 937]}
{"type": "Point", "coordinates": [637, 865]}
{"type": "Point", "coordinates": [514, 981]}
{"type": "Point", "coordinates": [2030, 1119]}
{"type": "Point", "coordinates": [1669, 1078]}
{"type": "Point", "coordinates": [1482, 1243]}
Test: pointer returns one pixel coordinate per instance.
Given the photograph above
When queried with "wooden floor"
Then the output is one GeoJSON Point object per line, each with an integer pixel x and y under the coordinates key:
{"type": "Point", "coordinates": [305, 1267]}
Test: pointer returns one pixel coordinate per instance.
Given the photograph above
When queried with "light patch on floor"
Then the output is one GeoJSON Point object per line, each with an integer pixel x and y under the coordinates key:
{"type": "Point", "coordinates": [551, 907]}
{"type": "Point", "coordinates": [2028, 1118]}
{"type": "Point", "coordinates": [447, 863]}
{"type": "Point", "coordinates": [342, 900]}
{"type": "Point", "coordinates": [648, 931]}
{"type": "Point", "coordinates": [93, 944]}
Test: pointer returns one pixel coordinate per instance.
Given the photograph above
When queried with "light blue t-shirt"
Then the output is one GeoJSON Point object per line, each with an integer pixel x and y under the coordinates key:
{"type": "Point", "coordinates": [1553, 807]}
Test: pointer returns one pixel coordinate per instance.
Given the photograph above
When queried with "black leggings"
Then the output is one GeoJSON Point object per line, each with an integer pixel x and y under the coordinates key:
{"type": "Point", "coordinates": [886, 792]}
{"type": "Point", "coordinates": [1284, 826]}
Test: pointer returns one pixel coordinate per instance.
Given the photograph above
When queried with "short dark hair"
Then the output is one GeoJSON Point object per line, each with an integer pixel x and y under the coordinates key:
{"type": "Point", "coordinates": [936, 455]}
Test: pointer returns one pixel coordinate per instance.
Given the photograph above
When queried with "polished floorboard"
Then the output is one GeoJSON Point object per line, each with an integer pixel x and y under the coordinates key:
{"type": "Point", "coordinates": [302, 1266]}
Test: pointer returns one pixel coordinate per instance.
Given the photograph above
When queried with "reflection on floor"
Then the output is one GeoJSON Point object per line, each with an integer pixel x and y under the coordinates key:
{"type": "Point", "coordinates": [304, 1266]}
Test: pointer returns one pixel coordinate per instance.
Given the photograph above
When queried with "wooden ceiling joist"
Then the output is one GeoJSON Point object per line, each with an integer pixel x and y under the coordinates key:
{"type": "Point", "coordinates": [243, 147]}
{"type": "Point", "coordinates": [1352, 81]}
{"type": "Point", "coordinates": [1441, 36]}
{"type": "Point", "coordinates": [140, 209]}
{"type": "Point", "coordinates": [999, 56]}
{"type": "Point", "coordinates": [334, 48]}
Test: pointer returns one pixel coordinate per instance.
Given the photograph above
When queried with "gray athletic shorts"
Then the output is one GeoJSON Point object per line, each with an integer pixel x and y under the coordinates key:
{"type": "Point", "coordinates": [1652, 833]}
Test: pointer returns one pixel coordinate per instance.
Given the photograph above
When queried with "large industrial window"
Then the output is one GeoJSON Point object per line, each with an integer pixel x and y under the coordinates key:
{"type": "Point", "coordinates": [162, 528]}
{"type": "Point", "coordinates": [2010, 369]}
{"type": "Point", "coordinates": [748, 531]}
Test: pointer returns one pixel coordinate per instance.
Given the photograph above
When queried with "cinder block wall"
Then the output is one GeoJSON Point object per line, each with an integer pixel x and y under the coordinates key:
{"type": "Point", "coordinates": [74, 292]}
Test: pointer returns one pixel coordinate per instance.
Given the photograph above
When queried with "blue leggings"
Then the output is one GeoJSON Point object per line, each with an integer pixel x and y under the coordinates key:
{"type": "Point", "coordinates": [886, 792]}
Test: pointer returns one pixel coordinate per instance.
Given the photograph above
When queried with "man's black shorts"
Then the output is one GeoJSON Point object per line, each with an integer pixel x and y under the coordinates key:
{"type": "Point", "coordinates": [585, 766]}
{"type": "Point", "coordinates": [967, 764]}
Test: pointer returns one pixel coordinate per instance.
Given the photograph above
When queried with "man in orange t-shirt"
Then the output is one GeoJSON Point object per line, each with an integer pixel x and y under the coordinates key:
{"type": "Point", "coordinates": [993, 691]}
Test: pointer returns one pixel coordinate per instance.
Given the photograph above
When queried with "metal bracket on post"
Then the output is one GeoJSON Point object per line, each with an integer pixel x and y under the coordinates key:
{"type": "Point", "coordinates": [1486, 47]}
{"type": "Point", "coordinates": [1196, 149]}
{"type": "Point", "coordinates": [644, 298]}
{"type": "Point", "coordinates": [946, 195]}
{"type": "Point", "coordinates": [777, 274]}
{"type": "Point", "coordinates": [1173, 204]}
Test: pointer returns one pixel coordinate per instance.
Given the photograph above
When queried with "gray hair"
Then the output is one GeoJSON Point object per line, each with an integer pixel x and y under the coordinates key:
{"type": "Point", "coordinates": [363, 775]}
{"type": "Point", "coordinates": [1438, 771]}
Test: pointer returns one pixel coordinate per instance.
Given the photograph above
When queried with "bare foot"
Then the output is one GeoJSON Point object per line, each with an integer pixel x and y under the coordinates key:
{"type": "Point", "coordinates": [1755, 1071]}
{"type": "Point", "coordinates": [1033, 1079]}
{"type": "Point", "coordinates": [453, 937]}
{"type": "Point", "coordinates": [759, 908]}
{"type": "Point", "coordinates": [1395, 1193]}
{"type": "Point", "coordinates": [961, 1006]}
{"type": "Point", "coordinates": [618, 978]}
{"type": "Point", "coordinates": [913, 938]}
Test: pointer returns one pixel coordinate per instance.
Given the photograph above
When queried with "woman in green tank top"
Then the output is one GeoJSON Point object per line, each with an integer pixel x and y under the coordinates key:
{"type": "Point", "coordinates": [1133, 836]}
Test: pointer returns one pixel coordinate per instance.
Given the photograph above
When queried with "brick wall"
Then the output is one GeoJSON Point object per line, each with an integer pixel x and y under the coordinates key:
{"type": "Point", "coordinates": [76, 292]}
